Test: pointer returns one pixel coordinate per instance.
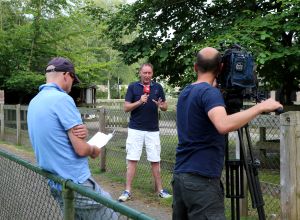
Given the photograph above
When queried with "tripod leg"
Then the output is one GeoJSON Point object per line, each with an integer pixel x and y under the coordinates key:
{"type": "Point", "coordinates": [259, 201]}
{"type": "Point", "coordinates": [233, 168]}
{"type": "Point", "coordinates": [252, 175]}
{"type": "Point", "coordinates": [237, 200]}
{"type": "Point", "coordinates": [233, 211]}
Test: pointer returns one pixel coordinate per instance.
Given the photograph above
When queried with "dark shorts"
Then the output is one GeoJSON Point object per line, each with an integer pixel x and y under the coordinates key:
{"type": "Point", "coordinates": [197, 198]}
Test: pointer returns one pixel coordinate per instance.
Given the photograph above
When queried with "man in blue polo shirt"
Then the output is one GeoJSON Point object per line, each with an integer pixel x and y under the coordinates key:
{"type": "Point", "coordinates": [53, 121]}
{"type": "Point", "coordinates": [202, 122]}
{"type": "Point", "coordinates": [143, 98]}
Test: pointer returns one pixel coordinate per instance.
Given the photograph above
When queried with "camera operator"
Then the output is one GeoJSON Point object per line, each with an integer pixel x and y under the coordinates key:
{"type": "Point", "coordinates": [202, 122]}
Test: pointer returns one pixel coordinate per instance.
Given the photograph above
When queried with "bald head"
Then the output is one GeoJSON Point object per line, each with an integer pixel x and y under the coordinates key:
{"type": "Point", "coordinates": [208, 60]}
{"type": "Point", "coordinates": [209, 52]}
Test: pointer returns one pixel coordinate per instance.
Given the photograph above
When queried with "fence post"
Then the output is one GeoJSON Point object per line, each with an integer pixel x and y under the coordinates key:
{"type": "Point", "coordinates": [69, 210]}
{"type": "Point", "coordinates": [18, 123]}
{"type": "Point", "coordinates": [102, 113]}
{"type": "Point", "coordinates": [262, 134]}
{"type": "Point", "coordinates": [2, 121]}
{"type": "Point", "coordinates": [290, 165]}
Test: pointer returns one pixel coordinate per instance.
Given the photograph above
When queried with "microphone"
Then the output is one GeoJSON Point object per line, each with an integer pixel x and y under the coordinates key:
{"type": "Point", "coordinates": [146, 89]}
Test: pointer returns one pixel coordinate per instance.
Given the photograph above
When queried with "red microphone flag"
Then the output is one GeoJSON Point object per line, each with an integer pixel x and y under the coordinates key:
{"type": "Point", "coordinates": [147, 89]}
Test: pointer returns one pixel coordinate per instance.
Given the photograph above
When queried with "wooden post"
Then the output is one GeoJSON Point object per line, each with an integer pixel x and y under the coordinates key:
{"type": "Point", "coordinates": [262, 134]}
{"type": "Point", "coordinates": [2, 121]}
{"type": "Point", "coordinates": [101, 113]}
{"type": "Point", "coordinates": [18, 123]}
{"type": "Point", "coordinates": [290, 165]}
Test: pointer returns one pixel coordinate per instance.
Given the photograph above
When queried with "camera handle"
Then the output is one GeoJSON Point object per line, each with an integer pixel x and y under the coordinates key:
{"type": "Point", "coordinates": [235, 177]}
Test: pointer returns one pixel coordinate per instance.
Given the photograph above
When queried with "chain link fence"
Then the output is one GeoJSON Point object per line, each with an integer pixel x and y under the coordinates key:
{"type": "Point", "coordinates": [109, 116]}
{"type": "Point", "coordinates": [25, 194]}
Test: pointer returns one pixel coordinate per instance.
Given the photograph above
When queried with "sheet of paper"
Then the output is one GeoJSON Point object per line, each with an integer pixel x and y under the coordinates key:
{"type": "Point", "coordinates": [100, 139]}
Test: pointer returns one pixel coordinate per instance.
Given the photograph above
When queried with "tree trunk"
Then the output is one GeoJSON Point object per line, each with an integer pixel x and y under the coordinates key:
{"type": "Point", "coordinates": [108, 89]}
{"type": "Point", "coordinates": [36, 33]}
{"type": "Point", "coordinates": [287, 89]}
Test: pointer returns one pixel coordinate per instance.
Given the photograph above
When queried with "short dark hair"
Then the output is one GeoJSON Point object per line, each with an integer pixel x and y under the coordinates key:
{"type": "Point", "coordinates": [212, 64]}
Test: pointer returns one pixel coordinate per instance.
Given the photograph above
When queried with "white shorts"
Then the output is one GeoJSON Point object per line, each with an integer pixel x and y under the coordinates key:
{"type": "Point", "coordinates": [135, 142]}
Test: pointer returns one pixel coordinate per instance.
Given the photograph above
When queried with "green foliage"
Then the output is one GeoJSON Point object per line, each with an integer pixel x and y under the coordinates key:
{"type": "Point", "coordinates": [23, 51]}
{"type": "Point", "coordinates": [26, 82]}
{"type": "Point", "coordinates": [168, 33]}
{"type": "Point", "coordinates": [33, 32]}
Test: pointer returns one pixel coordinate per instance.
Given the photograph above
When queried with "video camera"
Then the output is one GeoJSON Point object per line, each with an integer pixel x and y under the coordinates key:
{"type": "Point", "coordinates": [237, 79]}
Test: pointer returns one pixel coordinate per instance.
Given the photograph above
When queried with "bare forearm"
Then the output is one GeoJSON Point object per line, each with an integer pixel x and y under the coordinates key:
{"type": "Point", "coordinates": [81, 147]}
{"type": "Point", "coordinates": [235, 121]}
{"type": "Point", "coordinates": [241, 118]}
{"type": "Point", "coordinates": [80, 131]}
{"type": "Point", "coordinates": [225, 123]}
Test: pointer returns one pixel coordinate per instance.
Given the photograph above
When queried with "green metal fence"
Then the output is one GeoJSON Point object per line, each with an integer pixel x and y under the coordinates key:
{"type": "Point", "coordinates": [25, 194]}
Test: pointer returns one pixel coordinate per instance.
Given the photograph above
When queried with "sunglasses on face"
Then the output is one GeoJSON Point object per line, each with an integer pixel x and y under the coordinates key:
{"type": "Point", "coordinates": [72, 75]}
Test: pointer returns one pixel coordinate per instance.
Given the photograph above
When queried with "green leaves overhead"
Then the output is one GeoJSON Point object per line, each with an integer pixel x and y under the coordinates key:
{"type": "Point", "coordinates": [168, 33]}
{"type": "Point", "coordinates": [100, 37]}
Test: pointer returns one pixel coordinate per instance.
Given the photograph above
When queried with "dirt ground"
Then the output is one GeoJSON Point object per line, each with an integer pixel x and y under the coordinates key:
{"type": "Point", "coordinates": [151, 208]}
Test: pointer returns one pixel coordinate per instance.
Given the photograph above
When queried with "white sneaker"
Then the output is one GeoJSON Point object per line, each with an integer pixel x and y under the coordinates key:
{"type": "Point", "coordinates": [125, 196]}
{"type": "Point", "coordinates": [164, 194]}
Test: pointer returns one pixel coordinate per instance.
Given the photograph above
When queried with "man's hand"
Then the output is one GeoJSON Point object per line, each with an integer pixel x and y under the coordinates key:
{"type": "Point", "coordinates": [160, 104]}
{"type": "Point", "coordinates": [80, 131]}
{"type": "Point", "coordinates": [144, 98]}
{"type": "Point", "coordinates": [95, 151]}
{"type": "Point", "coordinates": [269, 105]}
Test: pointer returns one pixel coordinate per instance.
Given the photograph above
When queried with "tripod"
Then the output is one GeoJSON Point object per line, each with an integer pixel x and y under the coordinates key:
{"type": "Point", "coordinates": [235, 176]}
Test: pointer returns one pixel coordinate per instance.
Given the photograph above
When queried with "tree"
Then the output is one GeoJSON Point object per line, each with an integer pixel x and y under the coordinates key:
{"type": "Point", "coordinates": [34, 31]}
{"type": "Point", "coordinates": [26, 82]}
{"type": "Point", "coordinates": [168, 33]}
{"type": "Point", "coordinates": [115, 70]}
{"type": "Point", "coordinates": [23, 51]}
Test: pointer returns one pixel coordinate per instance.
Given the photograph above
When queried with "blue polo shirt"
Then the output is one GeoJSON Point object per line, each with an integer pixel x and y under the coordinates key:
{"type": "Point", "coordinates": [51, 113]}
{"type": "Point", "coordinates": [200, 146]}
{"type": "Point", "coordinates": [144, 117]}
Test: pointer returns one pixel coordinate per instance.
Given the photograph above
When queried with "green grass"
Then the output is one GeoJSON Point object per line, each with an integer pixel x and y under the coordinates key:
{"type": "Point", "coordinates": [27, 149]}
{"type": "Point", "coordinates": [272, 206]}
{"type": "Point", "coordinates": [270, 176]}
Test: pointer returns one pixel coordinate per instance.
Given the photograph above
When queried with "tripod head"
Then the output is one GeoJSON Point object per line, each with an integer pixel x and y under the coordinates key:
{"type": "Point", "coordinates": [233, 101]}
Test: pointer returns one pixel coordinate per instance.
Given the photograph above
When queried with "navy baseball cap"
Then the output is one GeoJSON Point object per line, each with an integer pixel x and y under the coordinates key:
{"type": "Point", "coordinates": [60, 64]}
